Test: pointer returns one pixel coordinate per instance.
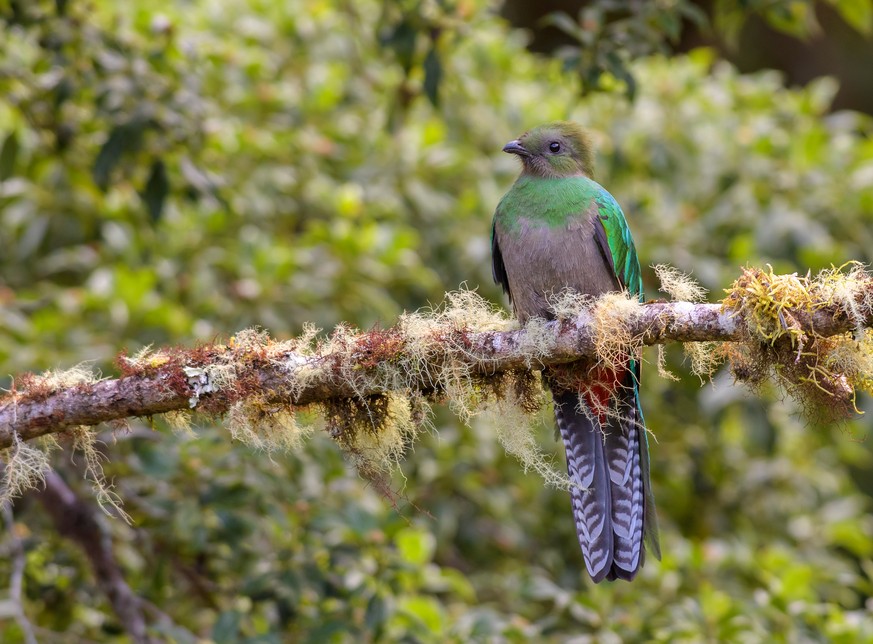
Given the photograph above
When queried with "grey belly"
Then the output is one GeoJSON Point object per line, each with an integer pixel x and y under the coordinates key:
{"type": "Point", "coordinates": [542, 261]}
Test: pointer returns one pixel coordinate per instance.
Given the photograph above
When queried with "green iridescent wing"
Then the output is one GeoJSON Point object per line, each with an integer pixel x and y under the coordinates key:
{"type": "Point", "coordinates": [617, 244]}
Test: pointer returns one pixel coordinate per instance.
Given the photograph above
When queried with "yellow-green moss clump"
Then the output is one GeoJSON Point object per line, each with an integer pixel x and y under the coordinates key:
{"type": "Point", "coordinates": [824, 374]}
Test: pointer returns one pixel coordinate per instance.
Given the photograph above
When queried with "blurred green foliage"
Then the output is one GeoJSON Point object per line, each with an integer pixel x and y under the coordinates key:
{"type": "Point", "coordinates": [606, 36]}
{"type": "Point", "coordinates": [171, 174]}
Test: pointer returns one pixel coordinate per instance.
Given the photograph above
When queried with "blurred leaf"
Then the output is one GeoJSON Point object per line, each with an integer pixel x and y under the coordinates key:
{"type": "Point", "coordinates": [226, 629]}
{"type": "Point", "coordinates": [377, 613]}
{"type": "Point", "coordinates": [328, 631]}
{"type": "Point", "coordinates": [402, 41]}
{"type": "Point", "coordinates": [433, 73]}
{"type": "Point", "coordinates": [795, 18]}
{"type": "Point", "coordinates": [426, 611]}
{"type": "Point", "coordinates": [857, 13]}
{"type": "Point", "coordinates": [415, 546]}
{"type": "Point", "coordinates": [123, 139]}
{"type": "Point", "coordinates": [200, 181]}
{"type": "Point", "coordinates": [694, 14]}
{"type": "Point", "coordinates": [566, 24]}
{"type": "Point", "coordinates": [728, 21]}
{"type": "Point", "coordinates": [8, 155]}
{"type": "Point", "coordinates": [156, 190]}
{"type": "Point", "coordinates": [618, 69]}
{"type": "Point", "coordinates": [671, 23]}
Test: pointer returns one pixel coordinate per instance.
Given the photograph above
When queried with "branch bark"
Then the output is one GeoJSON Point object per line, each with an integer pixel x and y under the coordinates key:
{"type": "Point", "coordinates": [169, 386]}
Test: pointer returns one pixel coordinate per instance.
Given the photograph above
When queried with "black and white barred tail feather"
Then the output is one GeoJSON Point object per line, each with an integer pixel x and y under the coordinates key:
{"type": "Point", "coordinates": [609, 469]}
{"type": "Point", "coordinates": [590, 494]}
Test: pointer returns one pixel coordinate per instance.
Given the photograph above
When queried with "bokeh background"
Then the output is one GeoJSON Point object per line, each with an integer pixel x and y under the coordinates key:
{"type": "Point", "coordinates": [174, 172]}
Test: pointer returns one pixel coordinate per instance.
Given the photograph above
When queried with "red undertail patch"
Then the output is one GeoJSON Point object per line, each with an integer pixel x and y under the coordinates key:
{"type": "Point", "coordinates": [601, 388]}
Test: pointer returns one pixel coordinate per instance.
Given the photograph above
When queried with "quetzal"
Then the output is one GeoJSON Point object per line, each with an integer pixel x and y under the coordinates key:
{"type": "Point", "coordinates": [558, 229]}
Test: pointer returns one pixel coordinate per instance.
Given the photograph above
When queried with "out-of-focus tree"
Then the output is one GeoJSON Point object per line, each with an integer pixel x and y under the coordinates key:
{"type": "Point", "coordinates": [172, 173]}
{"type": "Point", "coordinates": [806, 39]}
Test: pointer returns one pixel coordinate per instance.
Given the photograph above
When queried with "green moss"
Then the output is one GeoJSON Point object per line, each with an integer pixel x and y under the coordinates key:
{"type": "Point", "coordinates": [824, 374]}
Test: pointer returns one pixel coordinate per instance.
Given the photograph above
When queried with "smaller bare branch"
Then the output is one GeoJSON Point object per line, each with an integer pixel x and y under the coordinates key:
{"type": "Point", "coordinates": [16, 578]}
{"type": "Point", "coordinates": [74, 519]}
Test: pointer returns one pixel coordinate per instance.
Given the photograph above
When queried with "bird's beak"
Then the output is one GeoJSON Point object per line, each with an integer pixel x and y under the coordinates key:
{"type": "Point", "coordinates": [515, 147]}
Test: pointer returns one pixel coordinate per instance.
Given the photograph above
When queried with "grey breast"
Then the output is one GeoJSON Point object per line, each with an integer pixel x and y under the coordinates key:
{"type": "Point", "coordinates": [541, 261]}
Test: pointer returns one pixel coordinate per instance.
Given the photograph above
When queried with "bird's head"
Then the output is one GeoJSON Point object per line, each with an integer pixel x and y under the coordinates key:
{"type": "Point", "coordinates": [560, 149]}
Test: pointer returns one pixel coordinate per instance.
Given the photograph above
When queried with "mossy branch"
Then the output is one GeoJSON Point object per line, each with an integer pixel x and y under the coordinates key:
{"type": "Point", "coordinates": [422, 354]}
{"type": "Point", "coordinates": [38, 406]}
{"type": "Point", "coordinates": [372, 390]}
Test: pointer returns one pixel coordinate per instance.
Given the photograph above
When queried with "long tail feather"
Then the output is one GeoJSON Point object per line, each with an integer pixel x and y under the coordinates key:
{"type": "Point", "coordinates": [590, 495]}
{"type": "Point", "coordinates": [607, 459]}
{"type": "Point", "coordinates": [622, 442]}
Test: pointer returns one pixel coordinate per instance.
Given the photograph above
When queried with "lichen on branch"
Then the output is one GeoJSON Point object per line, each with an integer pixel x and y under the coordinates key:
{"type": "Point", "coordinates": [372, 390]}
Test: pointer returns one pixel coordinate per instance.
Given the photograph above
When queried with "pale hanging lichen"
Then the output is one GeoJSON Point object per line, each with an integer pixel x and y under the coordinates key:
{"type": "Point", "coordinates": [849, 288]}
{"type": "Point", "coordinates": [705, 357]}
{"type": "Point", "coordinates": [26, 465]}
{"type": "Point", "coordinates": [514, 413]}
{"type": "Point", "coordinates": [25, 468]}
{"type": "Point", "coordinates": [614, 339]}
{"type": "Point", "coordinates": [84, 441]}
{"type": "Point", "coordinates": [180, 422]}
{"type": "Point", "coordinates": [678, 285]}
{"type": "Point", "coordinates": [611, 316]}
{"type": "Point", "coordinates": [44, 384]}
{"type": "Point", "coordinates": [429, 346]}
{"type": "Point", "coordinates": [266, 426]}
{"type": "Point", "coordinates": [376, 435]}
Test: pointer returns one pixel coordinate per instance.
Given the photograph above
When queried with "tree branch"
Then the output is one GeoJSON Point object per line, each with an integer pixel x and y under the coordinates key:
{"type": "Point", "coordinates": [76, 520]}
{"type": "Point", "coordinates": [292, 374]}
{"type": "Point", "coordinates": [16, 577]}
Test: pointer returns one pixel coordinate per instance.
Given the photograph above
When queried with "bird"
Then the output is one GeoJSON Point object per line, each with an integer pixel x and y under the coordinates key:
{"type": "Point", "coordinates": [558, 229]}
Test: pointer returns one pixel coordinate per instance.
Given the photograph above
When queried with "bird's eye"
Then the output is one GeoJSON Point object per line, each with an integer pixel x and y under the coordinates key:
{"type": "Point", "coordinates": [555, 147]}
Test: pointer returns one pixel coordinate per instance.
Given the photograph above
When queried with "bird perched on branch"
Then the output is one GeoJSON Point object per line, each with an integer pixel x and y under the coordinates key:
{"type": "Point", "coordinates": [558, 229]}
